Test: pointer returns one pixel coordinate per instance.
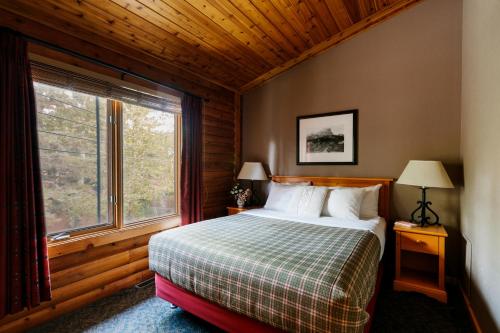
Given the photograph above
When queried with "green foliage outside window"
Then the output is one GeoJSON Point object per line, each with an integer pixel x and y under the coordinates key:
{"type": "Point", "coordinates": [73, 134]}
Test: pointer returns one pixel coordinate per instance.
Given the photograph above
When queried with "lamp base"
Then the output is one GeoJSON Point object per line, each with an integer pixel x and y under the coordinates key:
{"type": "Point", "coordinates": [423, 207]}
{"type": "Point", "coordinates": [254, 199]}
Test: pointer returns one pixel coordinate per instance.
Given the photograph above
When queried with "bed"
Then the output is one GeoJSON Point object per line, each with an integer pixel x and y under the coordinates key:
{"type": "Point", "coordinates": [266, 271]}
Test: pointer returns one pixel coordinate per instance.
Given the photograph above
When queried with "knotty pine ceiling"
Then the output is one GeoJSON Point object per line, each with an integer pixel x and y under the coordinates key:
{"type": "Point", "coordinates": [237, 44]}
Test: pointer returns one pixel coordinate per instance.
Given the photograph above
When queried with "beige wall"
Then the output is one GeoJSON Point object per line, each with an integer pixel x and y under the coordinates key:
{"type": "Point", "coordinates": [404, 77]}
{"type": "Point", "coordinates": [481, 156]}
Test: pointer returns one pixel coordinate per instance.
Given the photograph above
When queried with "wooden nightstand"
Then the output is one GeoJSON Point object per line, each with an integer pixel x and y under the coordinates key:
{"type": "Point", "coordinates": [236, 210]}
{"type": "Point", "coordinates": [420, 260]}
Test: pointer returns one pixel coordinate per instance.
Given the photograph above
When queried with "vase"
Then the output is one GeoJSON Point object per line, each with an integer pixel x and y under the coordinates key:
{"type": "Point", "coordinates": [240, 202]}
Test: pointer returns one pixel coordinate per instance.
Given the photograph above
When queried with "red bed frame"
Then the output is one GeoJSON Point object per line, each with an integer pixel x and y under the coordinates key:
{"type": "Point", "coordinates": [230, 321]}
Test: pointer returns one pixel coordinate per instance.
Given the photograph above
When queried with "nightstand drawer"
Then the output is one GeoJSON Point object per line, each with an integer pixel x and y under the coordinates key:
{"type": "Point", "coordinates": [419, 243]}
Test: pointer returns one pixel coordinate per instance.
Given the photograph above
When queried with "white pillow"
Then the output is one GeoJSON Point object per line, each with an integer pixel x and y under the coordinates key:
{"type": "Point", "coordinates": [344, 203]}
{"type": "Point", "coordinates": [308, 201]}
{"type": "Point", "coordinates": [369, 205]}
{"type": "Point", "coordinates": [280, 196]}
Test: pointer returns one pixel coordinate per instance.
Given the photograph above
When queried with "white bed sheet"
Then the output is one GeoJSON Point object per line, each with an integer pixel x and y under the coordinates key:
{"type": "Point", "coordinates": [375, 225]}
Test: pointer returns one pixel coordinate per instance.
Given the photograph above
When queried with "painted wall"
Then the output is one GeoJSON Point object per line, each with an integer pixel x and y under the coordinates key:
{"type": "Point", "coordinates": [404, 77]}
{"type": "Point", "coordinates": [481, 157]}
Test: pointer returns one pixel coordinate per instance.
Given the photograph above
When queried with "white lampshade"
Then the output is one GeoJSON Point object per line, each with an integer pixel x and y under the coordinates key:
{"type": "Point", "coordinates": [252, 171]}
{"type": "Point", "coordinates": [425, 174]}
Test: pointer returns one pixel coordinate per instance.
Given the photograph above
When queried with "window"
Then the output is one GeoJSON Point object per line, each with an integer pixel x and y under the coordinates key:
{"type": "Point", "coordinates": [72, 135]}
{"type": "Point", "coordinates": [109, 155]}
{"type": "Point", "coordinates": [153, 158]}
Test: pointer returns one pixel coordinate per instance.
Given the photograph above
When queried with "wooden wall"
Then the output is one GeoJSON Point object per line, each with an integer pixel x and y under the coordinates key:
{"type": "Point", "coordinates": [221, 154]}
{"type": "Point", "coordinates": [82, 277]}
{"type": "Point", "coordinates": [86, 271]}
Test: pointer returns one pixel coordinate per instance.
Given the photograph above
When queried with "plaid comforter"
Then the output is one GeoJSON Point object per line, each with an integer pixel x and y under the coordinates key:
{"type": "Point", "coordinates": [295, 276]}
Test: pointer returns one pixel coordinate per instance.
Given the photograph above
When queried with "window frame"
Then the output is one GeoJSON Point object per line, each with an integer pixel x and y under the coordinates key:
{"type": "Point", "coordinates": [116, 226]}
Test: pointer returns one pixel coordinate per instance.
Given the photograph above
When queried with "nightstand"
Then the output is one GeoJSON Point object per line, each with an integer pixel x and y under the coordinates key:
{"type": "Point", "coordinates": [236, 210]}
{"type": "Point", "coordinates": [420, 260]}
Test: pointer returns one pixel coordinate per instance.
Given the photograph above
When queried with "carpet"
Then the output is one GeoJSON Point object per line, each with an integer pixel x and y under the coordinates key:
{"type": "Point", "coordinates": [140, 311]}
{"type": "Point", "coordinates": [399, 312]}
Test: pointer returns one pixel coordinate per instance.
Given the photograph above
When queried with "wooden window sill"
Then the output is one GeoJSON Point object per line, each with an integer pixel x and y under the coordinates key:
{"type": "Point", "coordinates": [102, 237]}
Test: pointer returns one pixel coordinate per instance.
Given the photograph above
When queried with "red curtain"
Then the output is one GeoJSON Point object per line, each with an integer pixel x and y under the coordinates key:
{"type": "Point", "coordinates": [191, 163]}
{"type": "Point", "coordinates": [24, 267]}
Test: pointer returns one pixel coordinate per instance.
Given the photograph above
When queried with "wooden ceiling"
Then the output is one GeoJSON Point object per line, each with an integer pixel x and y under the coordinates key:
{"type": "Point", "coordinates": [237, 44]}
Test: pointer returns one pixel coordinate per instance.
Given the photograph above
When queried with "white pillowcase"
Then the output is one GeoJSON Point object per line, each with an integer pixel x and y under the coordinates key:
{"type": "Point", "coordinates": [308, 201]}
{"type": "Point", "coordinates": [344, 202]}
{"type": "Point", "coordinates": [369, 202]}
{"type": "Point", "coordinates": [280, 196]}
{"type": "Point", "coordinates": [369, 205]}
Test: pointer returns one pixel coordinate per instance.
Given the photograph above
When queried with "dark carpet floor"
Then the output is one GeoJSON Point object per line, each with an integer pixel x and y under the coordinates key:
{"type": "Point", "coordinates": [139, 311]}
{"type": "Point", "coordinates": [416, 313]}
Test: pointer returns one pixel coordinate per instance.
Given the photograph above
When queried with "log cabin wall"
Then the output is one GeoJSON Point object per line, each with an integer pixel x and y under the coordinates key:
{"type": "Point", "coordinates": [82, 277]}
{"type": "Point", "coordinates": [97, 267]}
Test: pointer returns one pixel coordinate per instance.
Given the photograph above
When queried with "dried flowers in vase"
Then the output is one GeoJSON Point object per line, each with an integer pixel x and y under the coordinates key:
{"type": "Point", "coordinates": [241, 196]}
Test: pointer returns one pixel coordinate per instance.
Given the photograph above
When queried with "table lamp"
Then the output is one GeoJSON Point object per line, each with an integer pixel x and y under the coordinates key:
{"type": "Point", "coordinates": [252, 171]}
{"type": "Point", "coordinates": [425, 174]}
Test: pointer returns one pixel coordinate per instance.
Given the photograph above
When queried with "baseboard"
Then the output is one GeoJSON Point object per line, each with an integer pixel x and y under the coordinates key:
{"type": "Point", "coordinates": [472, 315]}
{"type": "Point", "coordinates": [145, 283]}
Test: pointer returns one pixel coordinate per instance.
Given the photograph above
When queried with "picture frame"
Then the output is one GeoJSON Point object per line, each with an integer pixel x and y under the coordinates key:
{"type": "Point", "coordinates": [328, 138]}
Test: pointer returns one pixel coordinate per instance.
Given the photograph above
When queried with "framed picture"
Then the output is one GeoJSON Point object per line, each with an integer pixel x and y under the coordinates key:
{"type": "Point", "coordinates": [328, 138]}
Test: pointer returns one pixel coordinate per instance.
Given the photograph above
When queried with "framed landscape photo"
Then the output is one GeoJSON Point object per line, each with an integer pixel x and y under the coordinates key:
{"type": "Point", "coordinates": [328, 138]}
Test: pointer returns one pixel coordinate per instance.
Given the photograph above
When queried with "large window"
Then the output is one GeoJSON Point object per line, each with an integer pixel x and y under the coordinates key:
{"type": "Point", "coordinates": [109, 157]}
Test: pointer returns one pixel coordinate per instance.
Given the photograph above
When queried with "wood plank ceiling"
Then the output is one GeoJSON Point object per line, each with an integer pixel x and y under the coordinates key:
{"type": "Point", "coordinates": [237, 44]}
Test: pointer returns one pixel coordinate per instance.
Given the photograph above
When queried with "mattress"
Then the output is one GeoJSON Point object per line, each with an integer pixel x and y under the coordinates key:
{"type": "Point", "coordinates": [294, 275]}
{"type": "Point", "coordinates": [376, 225]}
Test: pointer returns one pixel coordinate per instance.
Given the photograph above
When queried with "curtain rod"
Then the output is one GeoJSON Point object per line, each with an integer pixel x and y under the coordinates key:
{"type": "Point", "coordinates": [101, 63]}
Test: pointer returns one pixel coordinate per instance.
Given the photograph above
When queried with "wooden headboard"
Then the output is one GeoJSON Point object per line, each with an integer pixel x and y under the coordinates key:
{"type": "Point", "coordinates": [384, 194]}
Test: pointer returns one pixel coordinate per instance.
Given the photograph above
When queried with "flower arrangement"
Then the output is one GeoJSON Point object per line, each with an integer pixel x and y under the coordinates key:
{"type": "Point", "coordinates": [236, 190]}
{"type": "Point", "coordinates": [240, 195]}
